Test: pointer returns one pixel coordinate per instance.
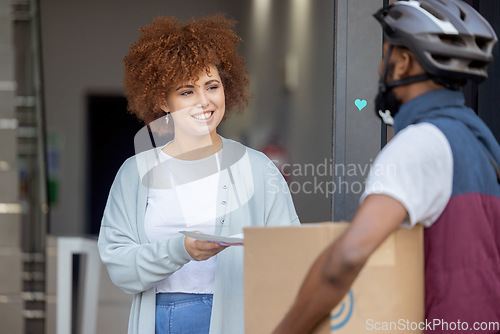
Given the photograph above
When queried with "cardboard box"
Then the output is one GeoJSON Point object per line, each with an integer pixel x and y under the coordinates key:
{"type": "Point", "coordinates": [387, 296]}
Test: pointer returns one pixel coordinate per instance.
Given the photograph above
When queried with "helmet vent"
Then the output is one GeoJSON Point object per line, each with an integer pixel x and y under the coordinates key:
{"type": "Point", "coordinates": [462, 15]}
{"type": "Point", "coordinates": [482, 42]}
{"type": "Point", "coordinates": [432, 11]}
{"type": "Point", "coordinates": [441, 59]}
{"type": "Point", "coordinates": [452, 39]}
{"type": "Point", "coordinates": [478, 64]}
{"type": "Point", "coordinates": [395, 14]}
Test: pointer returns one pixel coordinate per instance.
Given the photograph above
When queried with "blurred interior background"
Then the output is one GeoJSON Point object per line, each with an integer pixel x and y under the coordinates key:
{"type": "Point", "coordinates": [65, 131]}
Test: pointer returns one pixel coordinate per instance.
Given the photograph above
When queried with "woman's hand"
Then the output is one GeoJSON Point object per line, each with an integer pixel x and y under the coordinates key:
{"type": "Point", "coordinates": [202, 250]}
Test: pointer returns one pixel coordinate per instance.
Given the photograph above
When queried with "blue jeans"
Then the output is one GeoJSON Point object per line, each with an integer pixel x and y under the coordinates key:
{"type": "Point", "coordinates": [183, 313]}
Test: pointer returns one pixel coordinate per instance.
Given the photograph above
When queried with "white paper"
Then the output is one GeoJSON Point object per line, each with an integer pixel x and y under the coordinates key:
{"type": "Point", "coordinates": [235, 240]}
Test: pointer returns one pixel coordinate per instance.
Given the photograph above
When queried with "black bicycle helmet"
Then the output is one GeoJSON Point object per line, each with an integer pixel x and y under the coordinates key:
{"type": "Point", "coordinates": [449, 38]}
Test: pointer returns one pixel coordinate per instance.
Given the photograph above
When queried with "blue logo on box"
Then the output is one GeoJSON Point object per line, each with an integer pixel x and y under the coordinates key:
{"type": "Point", "coordinates": [340, 318]}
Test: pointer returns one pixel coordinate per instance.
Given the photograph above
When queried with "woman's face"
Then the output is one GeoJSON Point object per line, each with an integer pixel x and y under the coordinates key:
{"type": "Point", "coordinates": [197, 108]}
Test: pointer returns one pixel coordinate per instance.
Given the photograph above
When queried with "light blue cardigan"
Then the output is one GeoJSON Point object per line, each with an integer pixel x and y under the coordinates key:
{"type": "Point", "coordinates": [252, 192]}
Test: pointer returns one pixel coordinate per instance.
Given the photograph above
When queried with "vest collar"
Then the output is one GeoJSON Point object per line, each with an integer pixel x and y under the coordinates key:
{"type": "Point", "coordinates": [429, 105]}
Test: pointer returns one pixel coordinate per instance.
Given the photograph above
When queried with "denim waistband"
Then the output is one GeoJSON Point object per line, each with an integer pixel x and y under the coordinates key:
{"type": "Point", "coordinates": [178, 297]}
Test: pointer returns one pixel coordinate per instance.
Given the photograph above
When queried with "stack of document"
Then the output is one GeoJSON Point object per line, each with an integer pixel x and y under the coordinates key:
{"type": "Point", "coordinates": [234, 240]}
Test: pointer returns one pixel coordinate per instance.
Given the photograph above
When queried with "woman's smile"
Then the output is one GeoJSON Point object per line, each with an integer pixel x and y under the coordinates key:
{"type": "Point", "coordinates": [205, 116]}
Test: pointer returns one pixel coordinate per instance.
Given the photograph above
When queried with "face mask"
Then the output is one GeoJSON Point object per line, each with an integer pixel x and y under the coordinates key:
{"type": "Point", "coordinates": [386, 103]}
{"type": "Point", "coordinates": [386, 106]}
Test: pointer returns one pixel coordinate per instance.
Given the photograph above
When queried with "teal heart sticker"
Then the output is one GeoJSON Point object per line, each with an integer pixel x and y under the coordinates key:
{"type": "Point", "coordinates": [360, 104]}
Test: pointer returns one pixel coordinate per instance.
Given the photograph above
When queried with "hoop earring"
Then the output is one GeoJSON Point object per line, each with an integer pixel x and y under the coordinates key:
{"type": "Point", "coordinates": [167, 118]}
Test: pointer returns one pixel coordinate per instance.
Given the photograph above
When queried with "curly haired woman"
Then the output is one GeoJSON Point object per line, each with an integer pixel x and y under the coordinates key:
{"type": "Point", "coordinates": [187, 77]}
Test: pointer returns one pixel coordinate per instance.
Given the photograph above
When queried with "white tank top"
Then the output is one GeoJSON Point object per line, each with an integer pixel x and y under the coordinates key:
{"type": "Point", "coordinates": [182, 196]}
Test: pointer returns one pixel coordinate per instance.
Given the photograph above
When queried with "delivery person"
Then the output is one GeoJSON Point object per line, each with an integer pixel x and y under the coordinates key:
{"type": "Point", "coordinates": [447, 173]}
